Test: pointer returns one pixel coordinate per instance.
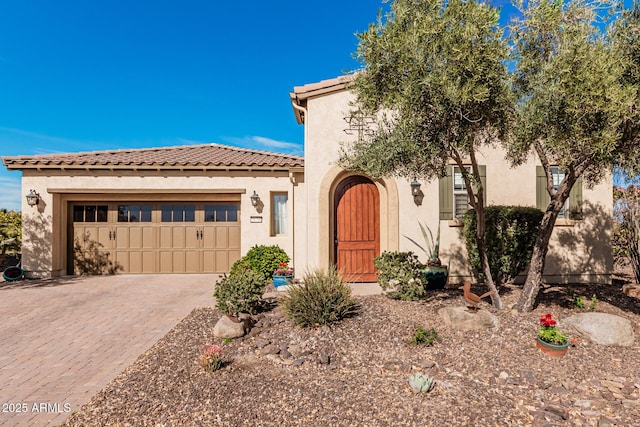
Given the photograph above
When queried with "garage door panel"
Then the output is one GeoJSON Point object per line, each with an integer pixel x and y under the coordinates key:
{"type": "Point", "coordinates": [222, 261]}
{"type": "Point", "coordinates": [192, 261]}
{"type": "Point", "coordinates": [234, 237]}
{"type": "Point", "coordinates": [166, 261]}
{"type": "Point", "coordinates": [122, 262]}
{"type": "Point", "coordinates": [202, 244]}
{"type": "Point", "coordinates": [222, 237]}
{"type": "Point", "coordinates": [166, 238]}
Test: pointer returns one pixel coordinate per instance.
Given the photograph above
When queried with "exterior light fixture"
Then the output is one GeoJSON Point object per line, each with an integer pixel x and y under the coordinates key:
{"type": "Point", "coordinates": [254, 199]}
{"type": "Point", "coordinates": [33, 198]}
{"type": "Point", "coordinates": [415, 188]}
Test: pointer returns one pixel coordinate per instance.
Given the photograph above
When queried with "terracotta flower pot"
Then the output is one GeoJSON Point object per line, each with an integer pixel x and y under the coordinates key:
{"type": "Point", "coordinates": [552, 349]}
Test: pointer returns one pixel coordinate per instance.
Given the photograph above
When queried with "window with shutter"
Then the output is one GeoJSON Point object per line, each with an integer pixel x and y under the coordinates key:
{"type": "Point", "coordinates": [573, 206]}
{"type": "Point", "coordinates": [454, 201]}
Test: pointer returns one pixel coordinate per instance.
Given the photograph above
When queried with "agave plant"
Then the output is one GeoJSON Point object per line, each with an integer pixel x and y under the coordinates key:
{"type": "Point", "coordinates": [431, 246]}
{"type": "Point", "coordinates": [421, 383]}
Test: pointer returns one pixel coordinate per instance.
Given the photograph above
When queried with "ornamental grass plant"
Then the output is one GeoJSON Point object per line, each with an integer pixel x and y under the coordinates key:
{"type": "Point", "coordinates": [321, 299]}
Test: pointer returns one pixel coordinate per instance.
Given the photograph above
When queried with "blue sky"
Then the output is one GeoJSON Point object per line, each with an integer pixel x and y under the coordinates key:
{"type": "Point", "coordinates": [79, 75]}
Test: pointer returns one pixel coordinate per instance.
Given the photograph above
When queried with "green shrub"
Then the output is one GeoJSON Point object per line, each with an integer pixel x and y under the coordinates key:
{"type": "Point", "coordinates": [321, 299]}
{"type": "Point", "coordinates": [510, 234]}
{"type": "Point", "coordinates": [240, 292]}
{"type": "Point", "coordinates": [399, 275]}
{"type": "Point", "coordinates": [262, 259]}
{"type": "Point", "coordinates": [421, 336]}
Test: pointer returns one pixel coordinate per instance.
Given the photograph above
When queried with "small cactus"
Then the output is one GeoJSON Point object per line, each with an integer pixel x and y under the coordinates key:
{"type": "Point", "coordinates": [421, 383]}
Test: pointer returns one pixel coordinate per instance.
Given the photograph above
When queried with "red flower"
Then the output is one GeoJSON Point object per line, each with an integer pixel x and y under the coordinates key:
{"type": "Point", "coordinates": [547, 320]}
{"type": "Point", "coordinates": [283, 264]}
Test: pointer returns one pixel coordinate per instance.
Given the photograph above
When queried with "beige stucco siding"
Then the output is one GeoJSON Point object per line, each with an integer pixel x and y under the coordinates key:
{"type": "Point", "coordinates": [579, 249]}
{"type": "Point", "coordinates": [45, 239]}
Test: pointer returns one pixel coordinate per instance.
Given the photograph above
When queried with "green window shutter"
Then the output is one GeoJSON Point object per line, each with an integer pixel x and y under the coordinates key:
{"type": "Point", "coordinates": [542, 196]}
{"type": "Point", "coordinates": [446, 195]}
{"type": "Point", "coordinates": [575, 200]}
{"type": "Point", "coordinates": [483, 179]}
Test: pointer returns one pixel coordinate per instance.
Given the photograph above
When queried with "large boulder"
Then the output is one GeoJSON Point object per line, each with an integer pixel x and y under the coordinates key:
{"type": "Point", "coordinates": [602, 328]}
{"type": "Point", "coordinates": [228, 328]}
{"type": "Point", "coordinates": [460, 318]}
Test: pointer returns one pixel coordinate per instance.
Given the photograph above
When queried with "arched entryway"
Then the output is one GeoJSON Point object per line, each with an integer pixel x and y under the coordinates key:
{"type": "Point", "coordinates": [356, 228]}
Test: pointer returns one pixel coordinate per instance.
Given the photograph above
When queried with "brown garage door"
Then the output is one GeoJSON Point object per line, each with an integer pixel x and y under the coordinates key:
{"type": "Point", "coordinates": [167, 237]}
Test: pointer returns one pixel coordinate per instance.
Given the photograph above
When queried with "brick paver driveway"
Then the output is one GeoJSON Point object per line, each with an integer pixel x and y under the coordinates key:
{"type": "Point", "coordinates": [62, 340]}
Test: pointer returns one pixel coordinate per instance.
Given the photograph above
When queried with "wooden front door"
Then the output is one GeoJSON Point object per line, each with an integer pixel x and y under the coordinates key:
{"type": "Point", "coordinates": [357, 228]}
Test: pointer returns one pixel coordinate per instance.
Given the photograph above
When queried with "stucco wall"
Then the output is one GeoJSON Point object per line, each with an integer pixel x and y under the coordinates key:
{"type": "Point", "coordinates": [579, 250]}
{"type": "Point", "coordinates": [44, 238]}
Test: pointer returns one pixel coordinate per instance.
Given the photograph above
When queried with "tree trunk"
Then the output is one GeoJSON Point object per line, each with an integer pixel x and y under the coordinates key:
{"type": "Point", "coordinates": [486, 267]}
{"type": "Point", "coordinates": [538, 257]}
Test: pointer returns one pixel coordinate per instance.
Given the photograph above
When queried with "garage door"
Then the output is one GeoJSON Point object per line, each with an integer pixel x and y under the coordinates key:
{"type": "Point", "coordinates": [145, 237]}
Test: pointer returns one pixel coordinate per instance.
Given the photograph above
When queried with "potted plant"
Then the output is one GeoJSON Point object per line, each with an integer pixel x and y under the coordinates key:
{"type": "Point", "coordinates": [550, 340]}
{"type": "Point", "coordinates": [282, 275]}
{"type": "Point", "coordinates": [434, 274]}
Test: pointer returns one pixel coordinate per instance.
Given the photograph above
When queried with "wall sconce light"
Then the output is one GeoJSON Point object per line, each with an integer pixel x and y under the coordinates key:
{"type": "Point", "coordinates": [415, 188]}
{"type": "Point", "coordinates": [254, 199]}
{"type": "Point", "coordinates": [33, 198]}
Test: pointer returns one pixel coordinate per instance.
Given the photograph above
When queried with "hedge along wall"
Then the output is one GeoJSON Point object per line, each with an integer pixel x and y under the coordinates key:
{"type": "Point", "coordinates": [510, 234]}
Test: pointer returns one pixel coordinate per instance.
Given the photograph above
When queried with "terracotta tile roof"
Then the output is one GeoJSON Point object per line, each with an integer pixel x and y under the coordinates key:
{"type": "Point", "coordinates": [206, 156]}
{"type": "Point", "coordinates": [300, 94]}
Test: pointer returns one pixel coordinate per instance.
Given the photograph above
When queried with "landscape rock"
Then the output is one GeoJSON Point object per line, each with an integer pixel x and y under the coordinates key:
{"type": "Point", "coordinates": [269, 349]}
{"type": "Point", "coordinates": [459, 318]}
{"type": "Point", "coordinates": [603, 328]}
{"type": "Point", "coordinates": [227, 328]}
{"type": "Point", "coordinates": [632, 290]}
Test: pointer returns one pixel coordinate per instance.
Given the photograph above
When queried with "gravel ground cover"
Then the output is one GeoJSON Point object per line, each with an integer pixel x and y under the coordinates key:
{"type": "Point", "coordinates": [355, 372]}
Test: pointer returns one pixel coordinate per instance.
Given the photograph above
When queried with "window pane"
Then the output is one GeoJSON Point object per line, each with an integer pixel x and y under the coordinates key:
{"type": "Point", "coordinates": [123, 213]}
{"type": "Point", "coordinates": [134, 214]}
{"type": "Point", "coordinates": [279, 213]}
{"type": "Point", "coordinates": [145, 213]}
{"type": "Point", "coordinates": [102, 213]}
{"type": "Point", "coordinates": [221, 213]}
{"type": "Point", "coordinates": [89, 214]}
{"type": "Point", "coordinates": [78, 213]}
{"type": "Point", "coordinates": [189, 213]}
{"type": "Point", "coordinates": [558, 176]}
{"type": "Point", "coordinates": [166, 213]}
{"type": "Point", "coordinates": [209, 215]}
{"type": "Point", "coordinates": [462, 205]}
{"type": "Point", "coordinates": [232, 213]}
{"type": "Point", "coordinates": [458, 182]}
{"type": "Point", "coordinates": [178, 213]}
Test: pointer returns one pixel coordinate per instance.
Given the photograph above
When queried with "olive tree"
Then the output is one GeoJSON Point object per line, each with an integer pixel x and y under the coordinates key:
{"type": "Point", "coordinates": [434, 75]}
{"type": "Point", "coordinates": [577, 102]}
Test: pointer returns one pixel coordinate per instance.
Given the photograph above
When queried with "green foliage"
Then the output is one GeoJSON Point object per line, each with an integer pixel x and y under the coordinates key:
{"type": "Point", "coordinates": [321, 299]}
{"type": "Point", "coordinates": [423, 337]}
{"type": "Point", "coordinates": [440, 67]}
{"type": "Point", "coordinates": [552, 336]}
{"type": "Point", "coordinates": [399, 275]}
{"type": "Point", "coordinates": [578, 301]}
{"type": "Point", "coordinates": [10, 231]}
{"type": "Point", "coordinates": [262, 259]}
{"type": "Point", "coordinates": [421, 383]}
{"type": "Point", "coordinates": [510, 235]}
{"type": "Point", "coordinates": [626, 229]}
{"type": "Point", "coordinates": [240, 292]}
